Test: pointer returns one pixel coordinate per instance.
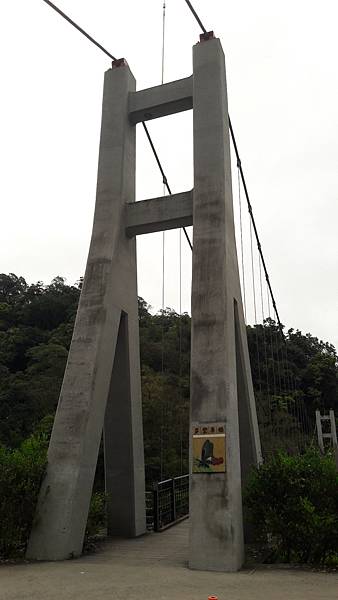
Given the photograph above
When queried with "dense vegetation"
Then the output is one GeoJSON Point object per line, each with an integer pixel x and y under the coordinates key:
{"type": "Point", "coordinates": [292, 502]}
{"type": "Point", "coordinates": [21, 472]}
{"type": "Point", "coordinates": [36, 324]}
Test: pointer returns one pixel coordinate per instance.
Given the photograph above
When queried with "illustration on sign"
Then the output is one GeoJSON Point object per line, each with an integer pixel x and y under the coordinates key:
{"type": "Point", "coordinates": [208, 448]}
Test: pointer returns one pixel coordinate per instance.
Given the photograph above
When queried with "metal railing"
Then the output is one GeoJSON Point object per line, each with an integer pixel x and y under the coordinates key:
{"type": "Point", "coordinates": [167, 503]}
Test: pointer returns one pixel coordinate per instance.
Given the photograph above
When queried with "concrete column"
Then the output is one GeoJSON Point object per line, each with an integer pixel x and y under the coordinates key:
{"type": "Point", "coordinates": [123, 436]}
{"type": "Point", "coordinates": [106, 327]}
{"type": "Point", "coordinates": [220, 369]}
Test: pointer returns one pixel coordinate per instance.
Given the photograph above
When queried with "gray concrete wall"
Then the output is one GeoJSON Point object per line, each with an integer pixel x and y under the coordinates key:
{"type": "Point", "coordinates": [159, 214]}
{"type": "Point", "coordinates": [109, 290]}
{"type": "Point", "coordinates": [161, 100]}
{"type": "Point", "coordinates": [216, 524]}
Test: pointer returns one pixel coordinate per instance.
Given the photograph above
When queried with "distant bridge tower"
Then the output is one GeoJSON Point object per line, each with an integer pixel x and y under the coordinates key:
{"type": "Point", "coordinates": [329, 435]}
{"type": "Point", "coordinates": [101, 387]}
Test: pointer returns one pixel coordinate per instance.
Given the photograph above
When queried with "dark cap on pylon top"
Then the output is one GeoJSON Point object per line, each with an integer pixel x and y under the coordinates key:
{"type": "Point", "coordinates": [119, 62]}
{"type": "Point", "coordinates": [209, 35]}
{"type": "Point", "coordinates": [212, 598]}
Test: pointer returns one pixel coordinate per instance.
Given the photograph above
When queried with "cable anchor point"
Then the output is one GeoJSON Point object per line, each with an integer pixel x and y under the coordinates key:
{"type": "Point", "coordinates": [205, 37]}
{"type": "Point", "coordinates": [119, 62]}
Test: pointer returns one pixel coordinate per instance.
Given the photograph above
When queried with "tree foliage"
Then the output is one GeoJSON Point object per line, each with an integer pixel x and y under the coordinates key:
{"type": "Point", "coordinates": [21, 472]}
{"type": "Point", "coordinates": [36, 325]}
{"type": "Point", "coordinates": [293, 505]}
{"type": "Point", "coordinates": [293, 375]}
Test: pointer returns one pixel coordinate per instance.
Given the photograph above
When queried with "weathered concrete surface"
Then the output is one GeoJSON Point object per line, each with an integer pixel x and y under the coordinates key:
{"type": "Point", "coordinates": [221, 386]}
{"type": "Point", "coordinates": [160, 100]}
{"type": "Point", "coordinates": [155, 567]}
{"type": "Point", "coordinates": [106, 327]}
{"type": "Point", "coordinates": [159, 214]}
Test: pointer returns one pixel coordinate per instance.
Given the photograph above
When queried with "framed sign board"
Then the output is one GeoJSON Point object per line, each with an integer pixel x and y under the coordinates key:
{"type": "Point", "coordinates": [208, 448]}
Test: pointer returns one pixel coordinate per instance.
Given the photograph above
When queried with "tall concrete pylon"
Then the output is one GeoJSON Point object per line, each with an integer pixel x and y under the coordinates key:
{"type": "Point", "coordinates": [102, 379]}
{"type": "Point", "coordinates": [101, 384]}
{"type": "Point", "coordinates": [222, 395]}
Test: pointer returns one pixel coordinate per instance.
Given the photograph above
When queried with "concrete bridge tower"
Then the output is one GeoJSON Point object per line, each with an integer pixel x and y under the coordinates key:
{"type": "Point", "coordinates": [101, 388]}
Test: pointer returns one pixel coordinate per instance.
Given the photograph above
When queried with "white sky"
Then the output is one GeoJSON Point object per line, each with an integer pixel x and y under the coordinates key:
{"type": "Point", "coordinates": [283, 98]}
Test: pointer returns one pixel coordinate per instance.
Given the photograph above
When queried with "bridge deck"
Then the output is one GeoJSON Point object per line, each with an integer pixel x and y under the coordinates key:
{"type": "Point", "coordinates": [154, 567]}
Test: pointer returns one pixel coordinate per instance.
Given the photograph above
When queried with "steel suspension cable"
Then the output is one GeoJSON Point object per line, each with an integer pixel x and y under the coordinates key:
{"type": "Point", "coordinates": [164, 187]}
{"type": "Point", "coordinates": [253, 275]}
{"type": "Point", "coordinates": [163, 41]}
{"type": "Point", "coordinates": [278, 363]}
{"type": "Point", "coordinates": [268, 386]}
{"type": "Point", "coordinates": [180, 350]}
{"type": "Point", "coordinates": [295, 400]}
{"type": "Point", "coordinates": [241, 233]}
{"type": "Point", "coordinates": [259, 246]}
{"type": "Point", "coordinates": [245, 187]}
{"type": "Point", "coordinates": [89, 37]}
{"type": "Point", "coordinates": [268, 296]}
{"type": "Point", "coordinates": [261, 287]}
{"type": "Point", "coordinates": [98, 45]}
{"type": "Point", "coordinates": [164, 178]}
{"type": "Point", "coordinates": [163, 402]}
{"type": "Point", "coordinates": [264, 340]}
{"type": "Point", "coordinates": [196, 16]}
{"type": "Point", "coordinates": [289, 399]}
{"type": "Point", "coordinates": [255, 307]}
{"type": "Point", "coordinates": [272, 361]}
{"type": "Point", "coordinates": [165, 181]}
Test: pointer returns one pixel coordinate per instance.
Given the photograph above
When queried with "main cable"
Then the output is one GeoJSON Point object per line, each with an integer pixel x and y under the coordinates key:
{"type": "Point", "coordinates": [165, 180]}
{"type": "Point", "coordinates": [196, 16]}
{"type": "Point", "coordinates": [89, 37]}
{"type": "Point", "coordinates": [259, 246]}
{"type": "Point", "coordinates": [246, 193]}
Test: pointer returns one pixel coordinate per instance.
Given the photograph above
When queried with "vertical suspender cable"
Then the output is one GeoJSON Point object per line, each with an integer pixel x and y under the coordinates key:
{"type": "Point", "coordinates": [267, 367]}
{"type": "Point", "coordinates": [181, 407]}
{"type": "Point", "coordinates": [277, 333]}
{"type": "Point", "coordinates": [253, 274]}
{"type": "Point", "coordinates": [274, 404]}
{"type": "Point", "coordinates": [164, 187]}
{"type": "Point", "coordinates": [268, 408]}
{"type": "Point", "coordinates": [261, 287]}
{"type": "Point", "coordinates": [255, 306]}
{"type": "Point", "coordinates": [163, 41]}
{"type": "Point", "coordinates": [241, 232]}
{"type": "Point", "coordinates": [163, 415]}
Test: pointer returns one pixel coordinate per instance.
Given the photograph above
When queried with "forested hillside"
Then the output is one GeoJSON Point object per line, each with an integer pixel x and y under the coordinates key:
{"type": "Point", "coordinates": [36, 323]}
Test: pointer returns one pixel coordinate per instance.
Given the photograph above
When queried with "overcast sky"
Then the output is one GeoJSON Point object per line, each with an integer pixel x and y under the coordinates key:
{"type": "Point", "coordinates": [283, 97]}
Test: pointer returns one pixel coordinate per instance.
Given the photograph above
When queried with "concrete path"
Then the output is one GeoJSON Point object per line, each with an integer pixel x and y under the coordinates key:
{"type": "Point", "coordinates": [154, 568]}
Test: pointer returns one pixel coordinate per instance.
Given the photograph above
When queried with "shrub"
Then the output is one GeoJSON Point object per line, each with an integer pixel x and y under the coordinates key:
{"type": "Point", "coordinates": [97, 514]}
{"type": "Point", "coordinates": [292, 502]}
{"type": "Point", "coordinates": [21, 472]}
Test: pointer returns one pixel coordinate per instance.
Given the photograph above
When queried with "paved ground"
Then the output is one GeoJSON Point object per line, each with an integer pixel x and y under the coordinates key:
{"type": "Point", "coordinates": [154, 568]}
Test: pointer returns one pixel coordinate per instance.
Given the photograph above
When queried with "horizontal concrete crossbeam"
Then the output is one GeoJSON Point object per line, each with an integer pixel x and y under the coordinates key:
{"type": "Point", "coordinates": [161, 100]}
{"type": "Point", "coordinates": [159, 214]}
